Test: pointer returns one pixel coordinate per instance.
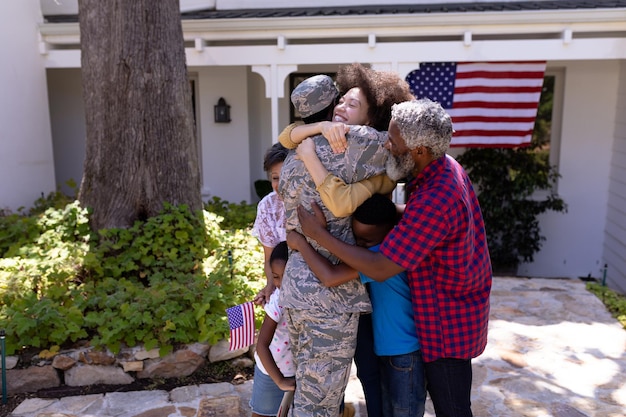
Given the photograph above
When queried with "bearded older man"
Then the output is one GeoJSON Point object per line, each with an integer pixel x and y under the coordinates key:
{"type": "Point", "coordinates": [441, 243]}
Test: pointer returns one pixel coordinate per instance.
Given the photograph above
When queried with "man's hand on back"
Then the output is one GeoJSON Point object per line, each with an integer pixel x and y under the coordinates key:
{"type": "Point", "coordinates": [312, 224]}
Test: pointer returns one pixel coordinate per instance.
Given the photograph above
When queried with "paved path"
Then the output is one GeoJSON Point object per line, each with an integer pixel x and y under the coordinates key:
{"type": "Point", "coordinates": [553, 351]}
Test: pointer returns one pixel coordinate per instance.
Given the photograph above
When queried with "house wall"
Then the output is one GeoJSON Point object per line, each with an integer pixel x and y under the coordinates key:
{"type": "Point", "coordinates": [574, 240]}
{"type": "Point", "coordinates": [26, 160]}
{"type": "Point", "coordinates": [67, 119]}
{"type": "Point", "coordinates": [615, 231]}
{"type": "Point", "coordinates": [225, 147]}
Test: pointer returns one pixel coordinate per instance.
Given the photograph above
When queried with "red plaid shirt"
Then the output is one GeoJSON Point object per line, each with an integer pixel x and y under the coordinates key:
{"type": "Point", "coordinates": [441, 243]}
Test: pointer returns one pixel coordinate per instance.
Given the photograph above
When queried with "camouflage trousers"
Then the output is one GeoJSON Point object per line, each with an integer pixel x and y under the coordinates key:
{"type": "Point", "coordinates": [323, 347]}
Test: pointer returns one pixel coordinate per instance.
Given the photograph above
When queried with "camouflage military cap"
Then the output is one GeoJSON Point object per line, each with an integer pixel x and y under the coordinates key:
{"type": "Point", "coordinates": [314, 94]}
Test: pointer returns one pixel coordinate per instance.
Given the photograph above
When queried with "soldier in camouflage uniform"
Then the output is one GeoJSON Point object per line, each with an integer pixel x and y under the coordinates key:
{"type": "Point", "coordinates": [324, 320]}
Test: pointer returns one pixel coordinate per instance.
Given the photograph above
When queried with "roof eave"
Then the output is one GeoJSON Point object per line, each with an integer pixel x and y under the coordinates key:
{"type": "Point", "coordinates": [506, 22]}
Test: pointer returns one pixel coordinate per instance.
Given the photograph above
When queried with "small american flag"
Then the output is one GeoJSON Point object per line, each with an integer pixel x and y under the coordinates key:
{"type": "Point", "coordinates": [241, 323]}
{"type": "Point", "coordinates": [491, 103]}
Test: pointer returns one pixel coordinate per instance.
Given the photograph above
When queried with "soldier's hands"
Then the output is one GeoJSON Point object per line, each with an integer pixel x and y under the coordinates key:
{"type": "Point", "coordinates": [306, 149]}
{"type": "Point", "coordinates": [335, 133]}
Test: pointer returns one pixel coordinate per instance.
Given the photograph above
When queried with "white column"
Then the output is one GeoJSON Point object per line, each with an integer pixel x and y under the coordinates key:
{"type": "Point", "coordinates": [274, 76]}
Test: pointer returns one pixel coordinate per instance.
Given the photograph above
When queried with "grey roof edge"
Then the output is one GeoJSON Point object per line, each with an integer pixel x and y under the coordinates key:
{"type": "Point", "coordinates": [497, 6]}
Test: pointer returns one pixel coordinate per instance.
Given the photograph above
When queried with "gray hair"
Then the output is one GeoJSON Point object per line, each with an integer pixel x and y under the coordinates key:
{"type": "Point", "coordinates": [424, 123]}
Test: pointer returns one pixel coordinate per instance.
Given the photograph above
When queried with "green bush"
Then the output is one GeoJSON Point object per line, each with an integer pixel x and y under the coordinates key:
{"type": "Point", "coordinates": [506, 181]}
{"type": "Point", "coordinates": [56, 199]}
{"type": "Point", "coordinates": [160, 283]}
{"type": "Point", "coordinates": [235, 216]}
{"type": "Point", "coordinates": [614, 302]}
{"type": "Point", "coordinates": [18, 229]}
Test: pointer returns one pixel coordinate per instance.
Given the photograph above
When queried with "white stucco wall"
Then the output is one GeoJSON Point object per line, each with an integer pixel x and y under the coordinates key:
{"type": "Point", "coordinates": [574, 240]}
{"type": "Point", "coordinates": [224, 146]}
{"type": "Point", "coordinates": [26, 161]}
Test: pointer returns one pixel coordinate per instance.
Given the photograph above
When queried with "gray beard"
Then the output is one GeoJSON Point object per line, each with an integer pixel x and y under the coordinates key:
{"type": "Point", "coordinates": [399, 167]}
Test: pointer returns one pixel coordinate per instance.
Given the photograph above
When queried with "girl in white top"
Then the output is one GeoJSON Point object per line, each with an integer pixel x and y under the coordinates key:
{"type": "Point", "coordinates": [274, 370]}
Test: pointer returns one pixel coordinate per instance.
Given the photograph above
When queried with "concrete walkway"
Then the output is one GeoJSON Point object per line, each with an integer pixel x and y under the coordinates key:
{"type": "Point", "coordinates": [553, 351]}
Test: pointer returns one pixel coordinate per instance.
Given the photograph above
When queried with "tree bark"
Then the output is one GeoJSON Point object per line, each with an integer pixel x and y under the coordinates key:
{"type": "Point", "coordinates": [141, 148]}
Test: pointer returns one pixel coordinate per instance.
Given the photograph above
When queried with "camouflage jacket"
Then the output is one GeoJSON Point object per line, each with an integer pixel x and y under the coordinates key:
{"type": "Point", "coordinates": [364, 158]}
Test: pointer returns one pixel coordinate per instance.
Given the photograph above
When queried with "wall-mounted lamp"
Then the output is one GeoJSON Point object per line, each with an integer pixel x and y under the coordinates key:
{"type": "Point", "coordinates": [222, 111]}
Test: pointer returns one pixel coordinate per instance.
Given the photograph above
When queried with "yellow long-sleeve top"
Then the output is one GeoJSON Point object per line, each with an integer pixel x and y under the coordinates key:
{"type": "Point", "coordinates": [341, 198]}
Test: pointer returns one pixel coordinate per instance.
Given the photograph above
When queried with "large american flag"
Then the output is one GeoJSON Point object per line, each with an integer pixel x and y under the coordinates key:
{"type": "Point", "coordinates": [492, 104]}
{"type": "Point", "coordinates": [241, 323]}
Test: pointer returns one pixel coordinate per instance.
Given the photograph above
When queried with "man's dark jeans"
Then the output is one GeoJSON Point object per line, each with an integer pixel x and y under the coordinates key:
{"type": "Point", "coordinates": [449, 383]}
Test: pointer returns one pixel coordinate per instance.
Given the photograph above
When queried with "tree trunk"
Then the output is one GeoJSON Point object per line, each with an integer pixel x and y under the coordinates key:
{"type": "Point", "coordinates": [141, 149]}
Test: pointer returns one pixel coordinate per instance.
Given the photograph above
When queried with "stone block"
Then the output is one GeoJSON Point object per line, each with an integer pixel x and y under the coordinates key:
{"type": "Point", "coordinates": [219, 407]}
{"type": "Point", "coordinates": [133, 366]}
{"type": "Point", "coordinates": [31, 379]}
{"type": "Point", "coordinates": [63, 362]}
{"type": "Point", "coordinates": [178, 364]}
{"type": "Point", "coordinates": [93, 374]}
{"type": "Point", "coordinates": [220, 352]}
{"type": "Point", "coordinates": [147, 354]}
{"type": "Point", "coordinates": [10, 362]}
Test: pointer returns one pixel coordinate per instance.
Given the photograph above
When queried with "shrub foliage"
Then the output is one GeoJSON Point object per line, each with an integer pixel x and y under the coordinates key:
{"type": "Point", "coordinates": [614, 301]}
{"type": "Point", "coordinates": [162, 282]}
{"type": "Point", "coordinates": [507, 181]}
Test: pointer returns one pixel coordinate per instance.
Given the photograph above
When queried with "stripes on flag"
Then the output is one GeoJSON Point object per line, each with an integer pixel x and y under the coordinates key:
{"type": "Point", "coordinates": [491, 103]}
{"type": "Point", "coordinates": [241, 323]}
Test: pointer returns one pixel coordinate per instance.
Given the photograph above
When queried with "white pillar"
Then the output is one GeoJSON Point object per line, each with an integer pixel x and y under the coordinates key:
{"type": "Point", "coordinates": [274, 76]}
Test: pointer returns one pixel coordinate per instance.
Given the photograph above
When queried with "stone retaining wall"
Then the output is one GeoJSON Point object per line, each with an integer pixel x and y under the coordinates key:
{"type": "Point", "coordinates": [87, 366]}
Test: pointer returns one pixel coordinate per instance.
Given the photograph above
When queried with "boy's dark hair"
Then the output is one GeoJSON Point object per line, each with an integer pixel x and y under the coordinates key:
{"type": "Point", "coordinates": [376, 210]}
{"type": "Point", "coordinates": [280, 252]}
{"type": "Point", "coordinates": [274, 155]}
